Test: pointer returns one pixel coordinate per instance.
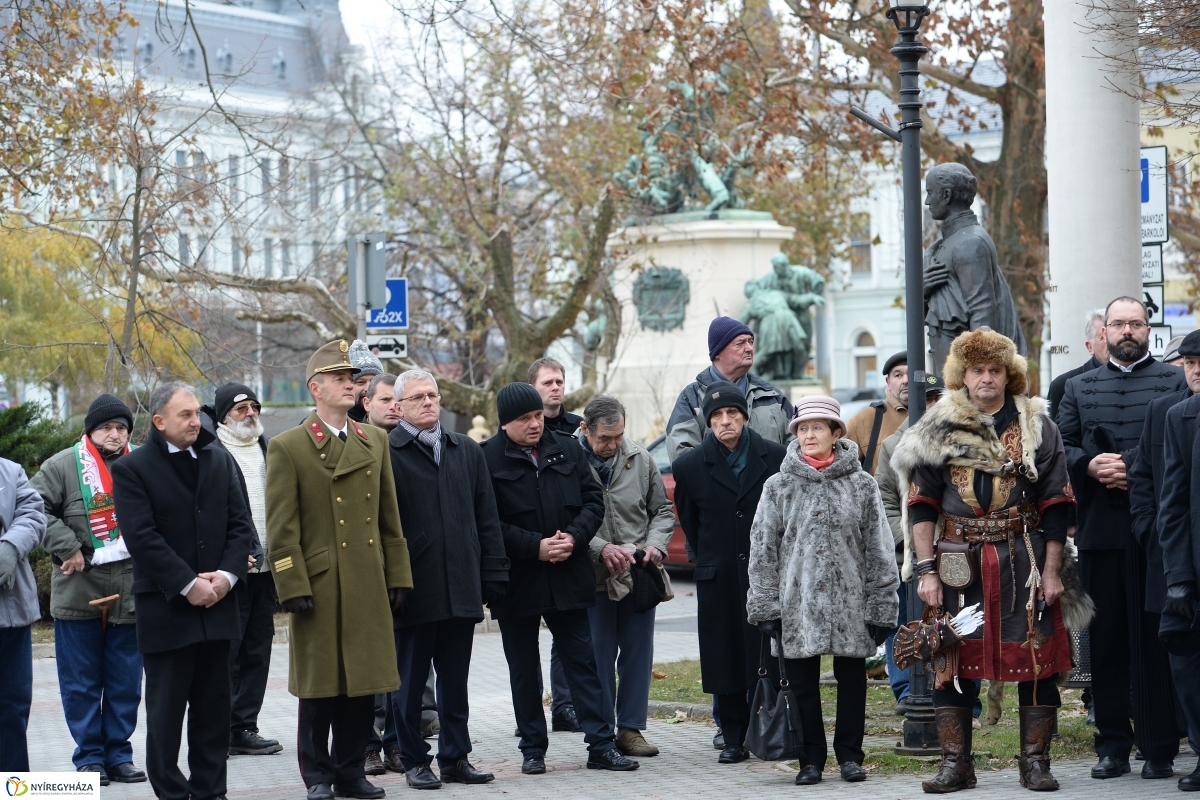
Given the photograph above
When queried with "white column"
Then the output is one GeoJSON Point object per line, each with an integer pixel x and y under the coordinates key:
{"type": "Point", "coordinates": [1092, 140]}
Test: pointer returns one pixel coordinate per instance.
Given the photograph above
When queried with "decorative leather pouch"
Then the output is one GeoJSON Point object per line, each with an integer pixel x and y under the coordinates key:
{"type": "Point", "coordinates": [957, 566]}
{"type": "Point", "coordinates": [918, 640]}
{"type": "Point", "coordinates": [945, 666]}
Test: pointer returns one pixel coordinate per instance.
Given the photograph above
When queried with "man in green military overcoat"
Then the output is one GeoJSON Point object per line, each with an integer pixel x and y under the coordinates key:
{"type": "Point", "coordinates": [340, 563]}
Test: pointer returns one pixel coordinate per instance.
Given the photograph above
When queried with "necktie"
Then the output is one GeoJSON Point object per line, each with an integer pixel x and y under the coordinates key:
{"type": "Point", "coordinates": [342, 435]}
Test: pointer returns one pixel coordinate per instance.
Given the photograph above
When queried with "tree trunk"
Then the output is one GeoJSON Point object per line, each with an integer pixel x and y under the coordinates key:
{"type": "Point", "coordinates": [1014, 185]}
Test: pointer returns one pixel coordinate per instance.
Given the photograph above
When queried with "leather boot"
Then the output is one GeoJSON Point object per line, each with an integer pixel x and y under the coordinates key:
{"type": "Point", "coordinates": [958, 763]}
{"type": "Point", "coordinates": [1037, 725]}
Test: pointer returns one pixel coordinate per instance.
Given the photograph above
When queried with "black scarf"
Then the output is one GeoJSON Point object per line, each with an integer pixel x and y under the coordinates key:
{"type": "Point", "coordinates": [602, 466]}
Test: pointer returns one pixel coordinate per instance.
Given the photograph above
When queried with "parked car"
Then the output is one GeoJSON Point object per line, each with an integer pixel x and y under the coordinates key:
{"type": "Point", "coordinates": [677, 554]}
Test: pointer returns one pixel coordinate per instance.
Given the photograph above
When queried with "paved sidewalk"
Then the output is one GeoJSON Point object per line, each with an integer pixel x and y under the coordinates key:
{"type": "Point", "coordinates": [687, 767]}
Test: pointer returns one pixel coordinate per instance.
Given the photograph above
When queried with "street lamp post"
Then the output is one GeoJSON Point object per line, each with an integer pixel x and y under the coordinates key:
{"type": "Point", "coordinates": [920, 730]}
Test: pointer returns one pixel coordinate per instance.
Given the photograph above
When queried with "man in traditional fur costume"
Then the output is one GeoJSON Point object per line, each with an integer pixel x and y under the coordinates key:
{"type": "Point", "coordinates": [985, 469]}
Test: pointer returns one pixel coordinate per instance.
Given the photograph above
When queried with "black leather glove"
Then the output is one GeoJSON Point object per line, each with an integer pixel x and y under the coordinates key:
{"type": "Point", "coordinates": [879, 633]}
{"type": "Point", "coordinates": [297, 605]}
{"type": "Point", "coordinates": [771, 627]}
{"type": "Point", "coordinates": [1179, 599]}
{"type": "Point", "coordinates": [396, 599]}
{"type": "Point", "coordinates": [494, 593]}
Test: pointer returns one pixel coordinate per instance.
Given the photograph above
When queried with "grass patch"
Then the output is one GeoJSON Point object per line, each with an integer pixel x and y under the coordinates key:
{"type": "Point", "coordinates": [43, 631]}
{"type": "Point", "coordinates": [995, 746]}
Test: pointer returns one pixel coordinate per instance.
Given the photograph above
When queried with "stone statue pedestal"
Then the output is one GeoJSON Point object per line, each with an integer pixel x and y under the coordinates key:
{"type": "Point", "coordinates": [717, 254]}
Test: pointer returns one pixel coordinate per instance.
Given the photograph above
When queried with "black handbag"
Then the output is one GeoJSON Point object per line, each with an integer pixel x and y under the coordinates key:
{"type": "Point", "coordinates": [648, 587]}
{"type": "Point", "coordinates": [774, 733]}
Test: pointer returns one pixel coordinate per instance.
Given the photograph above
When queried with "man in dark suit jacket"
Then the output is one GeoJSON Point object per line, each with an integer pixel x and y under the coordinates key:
{"type": "Point", "coordinates": [550, 507]}
{"type": "Point", "coordinates": [1097, 346]}
{"type": "Point", "coordinates": [456, 553]}
{"type": "Point", "coordinates": [717, 486]}
{"type": "Point", "coordinates": [1178, 531]}
{"type": "Point", "coordinates": [185, 520]}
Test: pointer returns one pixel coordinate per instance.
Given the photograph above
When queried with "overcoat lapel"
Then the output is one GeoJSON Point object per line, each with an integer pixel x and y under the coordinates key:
{"type": "Point", "coordinates": [714, 455]}
{"type": "Point", "coordinates": [357, 451]}
{"type": "Point", "coordinates": [754, 469]}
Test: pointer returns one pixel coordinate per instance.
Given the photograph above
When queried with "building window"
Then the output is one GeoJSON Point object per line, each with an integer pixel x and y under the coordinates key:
{"type": "Point", "coordinates": [235, 256]}
{"type": "Point", "coordinates": [284, 171]}
{"type": "Point", "coordinates": [285, 254]}
{"type": "Point", "coordinates": [185, 250]}
{"type": "Point", "coordinates": [314, 186]}
{"type": "Point", "coordinates": [264, 166]}
{"type": "Point", "coordinates": [234, 179]}
{"type": "Point", "coordinates": [865, 366]}
{"type": "Point", "coordinates": [860, 244]}
{"type": "Point", "coordinates": [180, 169]}
{"type": "Point", "coordinates": [347, 187]}
{"type": "Point", "coordinates": [202, 252]}
{"type": "Point", "coordinates": [268, 258]}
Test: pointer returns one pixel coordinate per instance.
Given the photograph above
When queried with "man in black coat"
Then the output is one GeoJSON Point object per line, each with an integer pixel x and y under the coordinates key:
{"type": "Point", "coordinates": [1097, 347]}
{"type": "Point", "coordinates": [1177, 530]}
{"type": "Point", "coordinates": [1101, 418]}
{"type": "Point", "coordinates": [456, 553]}
{"type": "Point", "coordinates": [717, 486]}
{"type": "Point", "coordinates": [549, 377]}
{"type": "Point", "coordinates": [185, 520]}
{"type": "Point", "coordinates": [550, 507]}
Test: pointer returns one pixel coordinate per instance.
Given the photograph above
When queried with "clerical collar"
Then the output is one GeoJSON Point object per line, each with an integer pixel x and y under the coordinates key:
{"type": "Point", "coordinates": [173, 449]}
{"type": "Point", "coordinates": [1131, 367]}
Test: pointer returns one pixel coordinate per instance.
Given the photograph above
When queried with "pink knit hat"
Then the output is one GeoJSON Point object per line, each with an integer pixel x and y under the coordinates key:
{"type": "Point", "coordinates": [818, 407]}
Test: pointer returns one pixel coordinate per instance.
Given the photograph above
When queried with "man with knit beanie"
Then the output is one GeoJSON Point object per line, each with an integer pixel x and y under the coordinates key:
{"type": "Point", "coordinates": [731, 350]}
{"type": "Point", "coordinates": [235, 411]}
{"type": "Point", "coordinates": [99, 668]}
{"type": "Point", "coordinates": [368, 367]}
{"type": "Point", "coordinates": [550, 507]}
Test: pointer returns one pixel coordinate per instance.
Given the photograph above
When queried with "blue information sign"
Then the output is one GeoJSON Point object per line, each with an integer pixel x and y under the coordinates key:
{"type": "Point", "coordinates": [395, 313]}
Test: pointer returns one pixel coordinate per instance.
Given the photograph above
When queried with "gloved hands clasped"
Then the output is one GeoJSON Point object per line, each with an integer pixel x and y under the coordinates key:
{"type": "Point", "coordinates": [771, 627]}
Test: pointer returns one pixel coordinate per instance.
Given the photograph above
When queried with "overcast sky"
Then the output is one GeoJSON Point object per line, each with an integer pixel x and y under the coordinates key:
{"type": "Point", "coordinates": [366, 18]}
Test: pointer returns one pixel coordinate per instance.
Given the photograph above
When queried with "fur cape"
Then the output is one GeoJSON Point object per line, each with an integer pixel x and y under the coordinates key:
{"type": "Point", "coordinates": [955, 432]}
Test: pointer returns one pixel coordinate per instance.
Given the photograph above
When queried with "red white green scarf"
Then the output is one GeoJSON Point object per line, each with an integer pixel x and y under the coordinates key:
{"type": "Point", "coordinates": [95, 483]}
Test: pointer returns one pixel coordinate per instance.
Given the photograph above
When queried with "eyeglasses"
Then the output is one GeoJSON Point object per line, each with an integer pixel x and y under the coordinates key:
{"type": "Point", "coordinates": [421, 398]}
{"type": "Point", "coordinates": [242, 408]}
{"type": "Point", "coordinates": [1133, 325]}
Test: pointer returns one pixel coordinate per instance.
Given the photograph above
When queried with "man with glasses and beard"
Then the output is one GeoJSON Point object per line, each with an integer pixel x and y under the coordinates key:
{"type": "Point", "coordinates": [235, 412]}
{"type": "Point", "coordinates": [1101, 417]}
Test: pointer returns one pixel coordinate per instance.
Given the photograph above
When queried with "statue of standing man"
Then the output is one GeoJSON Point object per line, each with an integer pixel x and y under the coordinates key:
{"type": "Point", "coordinates": [802, 287]}
{"type": "Point", "coordinates": [964, 288]}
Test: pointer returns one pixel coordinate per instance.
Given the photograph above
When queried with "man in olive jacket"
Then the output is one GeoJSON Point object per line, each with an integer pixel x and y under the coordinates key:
{"type": "Point", "coordinates": [550, 507]}
{"type": "Point", "coordinates": [341, 566]}
{"type": "Point", "coordinates": [99, 668]}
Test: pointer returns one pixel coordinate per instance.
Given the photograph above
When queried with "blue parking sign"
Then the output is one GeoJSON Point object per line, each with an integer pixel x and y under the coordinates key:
{"type": "Point", "coordinates": [395, 313]}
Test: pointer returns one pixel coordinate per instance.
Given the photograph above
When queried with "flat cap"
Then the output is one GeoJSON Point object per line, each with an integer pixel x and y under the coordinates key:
{"type": "Point", "coordinates": [331, 357]}
{"type": "Point", "coordinates": [1189, 347]}
{"type": "Point", "coordinates": [896, 360]}
{"type": "Point", "coordinates": [934, 384]}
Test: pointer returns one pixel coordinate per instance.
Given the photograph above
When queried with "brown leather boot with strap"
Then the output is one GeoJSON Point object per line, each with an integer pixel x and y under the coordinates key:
{"type": "Point", "coordinates": [958, 764]}
{"type": "Point", "coordinates": [1037, 726]}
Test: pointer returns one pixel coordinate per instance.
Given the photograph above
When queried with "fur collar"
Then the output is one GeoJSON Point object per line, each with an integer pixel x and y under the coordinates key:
{"type": "Point", "coordinates": [955, 432]}
{"type": "Point", "coordinates": [845, 462]}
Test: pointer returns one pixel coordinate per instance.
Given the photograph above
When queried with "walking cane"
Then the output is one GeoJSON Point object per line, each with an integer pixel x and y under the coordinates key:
{"type": "Point", "coordinates": [104, 603]}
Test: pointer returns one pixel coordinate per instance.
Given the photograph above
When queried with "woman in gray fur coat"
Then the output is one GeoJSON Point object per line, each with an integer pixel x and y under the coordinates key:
{"type": "Point", "coordinates": [823, 578]}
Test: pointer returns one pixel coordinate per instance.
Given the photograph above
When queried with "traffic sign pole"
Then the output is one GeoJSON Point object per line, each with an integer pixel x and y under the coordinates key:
{"type": "Point", "coordinates": [360, 284]}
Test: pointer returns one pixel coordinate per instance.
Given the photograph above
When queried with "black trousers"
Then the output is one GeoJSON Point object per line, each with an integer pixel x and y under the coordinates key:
{"type": "Point", "coordinates": [350, 719]}
{"type": "Point", "coordinates": [1126, 654]}
{"type": "Point", "coordinates": [734, 710]}
{"type": "Point", "coordinates": [250, 657]}
{"type": "Point", "coordinates": [195, 680]}
{"type": "Point", "coordinates": [573, 638]}
{"type": "Point", "coordinates": [447, 645]}
{"type": "Point", "coordinates": [850, 727]}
